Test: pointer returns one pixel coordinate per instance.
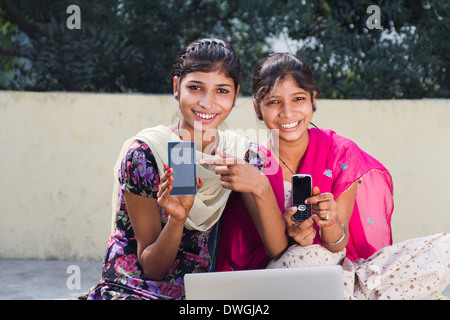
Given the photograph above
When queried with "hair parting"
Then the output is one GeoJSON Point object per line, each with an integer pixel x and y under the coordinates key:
{"type": "Point", "coordinates": [208, 55]}
{"type": "Point", "coordinates": [274, 68]}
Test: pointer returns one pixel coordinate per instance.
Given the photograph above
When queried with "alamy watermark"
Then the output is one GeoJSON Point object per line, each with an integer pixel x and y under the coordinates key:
{"type": "Point", "coordinates": [73, 281]}
{"type": "Point", "coordinates": [374, 21]}
{"type": "Point", "coordinates": [74, 20]}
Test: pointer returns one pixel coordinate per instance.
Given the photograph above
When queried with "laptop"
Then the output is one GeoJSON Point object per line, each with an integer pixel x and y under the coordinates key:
{"type": "Point", "coordinates": [305, 283]}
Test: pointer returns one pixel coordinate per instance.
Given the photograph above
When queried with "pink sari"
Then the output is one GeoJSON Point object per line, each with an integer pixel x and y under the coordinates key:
{"type": "Point", "coordinates": [335, 163]}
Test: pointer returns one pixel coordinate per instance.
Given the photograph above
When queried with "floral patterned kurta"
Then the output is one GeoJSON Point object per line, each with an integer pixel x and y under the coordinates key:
{"type": "Point", "coordinates": [122, 275]}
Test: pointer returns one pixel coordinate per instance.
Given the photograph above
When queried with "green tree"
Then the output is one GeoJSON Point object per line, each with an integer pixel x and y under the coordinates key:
{"type": "Point", "coordinates": [122, 46]}
{"type": "Point", "coordinates": [407, 57]}
{"type": "Point", "coordinates": [130, 45]}
{"type": "Point", "coordinates": [55, 58]}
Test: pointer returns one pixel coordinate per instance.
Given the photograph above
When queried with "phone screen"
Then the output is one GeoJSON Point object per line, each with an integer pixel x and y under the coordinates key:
{"type": "Point", "coordinates": [301, 190]}
{"type": "Point", "coordinates": [182, 159]}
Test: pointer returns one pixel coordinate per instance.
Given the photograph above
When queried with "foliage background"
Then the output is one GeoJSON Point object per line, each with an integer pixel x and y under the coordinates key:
{"type": "Point", "coordinates": [130, 45]}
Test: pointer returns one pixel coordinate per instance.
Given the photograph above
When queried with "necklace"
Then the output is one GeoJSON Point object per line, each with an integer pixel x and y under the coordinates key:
{"type": "Point", "coordinates": [273, 150]}
{"type": "Point", "coordinates": [216, 140]}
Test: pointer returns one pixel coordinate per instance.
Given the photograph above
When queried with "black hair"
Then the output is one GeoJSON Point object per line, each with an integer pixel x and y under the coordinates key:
{"type": "Point", "coordinates": [207, 55]}
{"type": "Point", "coordinates": [272, 69]}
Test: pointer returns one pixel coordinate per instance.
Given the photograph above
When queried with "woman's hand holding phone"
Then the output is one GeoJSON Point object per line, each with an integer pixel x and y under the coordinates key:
{"type": "Point", "coordinates": [177, 207]}
{"type": "Point", "coordinates": [324, 206]}
{"type": "Point", "coordinates": [302, 232]}
{"type": "Point", "coordinates": [325, 213]}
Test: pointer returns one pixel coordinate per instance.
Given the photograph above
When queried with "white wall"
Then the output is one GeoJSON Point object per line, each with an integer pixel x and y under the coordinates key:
{"type": "Point", "coordinates": [58, 150]}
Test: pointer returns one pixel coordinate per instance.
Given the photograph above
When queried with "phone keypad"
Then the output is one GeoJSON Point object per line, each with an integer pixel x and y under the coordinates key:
{"type": "Point", "coordinates": [304, 211]}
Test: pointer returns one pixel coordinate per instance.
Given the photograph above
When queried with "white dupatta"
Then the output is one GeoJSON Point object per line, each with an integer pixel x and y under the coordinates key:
{"type": "Point", "coordinates": [211, 198]}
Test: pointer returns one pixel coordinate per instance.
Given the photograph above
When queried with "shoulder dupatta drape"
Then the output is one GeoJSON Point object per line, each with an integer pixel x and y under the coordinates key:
{"type": "Point", "coordinates": [335, 163]}
{"type": "Point", "coordinates": [211, 198]}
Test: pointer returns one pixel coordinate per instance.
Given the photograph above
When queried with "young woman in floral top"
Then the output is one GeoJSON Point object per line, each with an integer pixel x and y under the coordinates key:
{"type": "Point", "coordinates": [158, 238]}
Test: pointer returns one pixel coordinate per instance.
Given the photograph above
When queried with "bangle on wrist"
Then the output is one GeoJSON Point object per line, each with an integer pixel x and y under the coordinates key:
{"type": "Point", "coordinates": [335, 218]}
{"type": "Point", "coordinates": [337, 242]}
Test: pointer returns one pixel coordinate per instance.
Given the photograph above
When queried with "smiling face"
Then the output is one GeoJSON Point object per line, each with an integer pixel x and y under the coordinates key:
{"type": "Point", "coordinates": [287, 108]}
{"type": "Point", "coordinates": [206, 98]}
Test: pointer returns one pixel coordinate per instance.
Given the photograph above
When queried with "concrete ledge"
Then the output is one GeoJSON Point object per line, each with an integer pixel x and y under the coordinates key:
{"type": "Point", "coordinates": [58, 151]}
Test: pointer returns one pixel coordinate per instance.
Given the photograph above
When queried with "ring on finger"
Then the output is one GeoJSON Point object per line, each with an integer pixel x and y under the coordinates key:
{"type": "Point", "coordinates": [327, 217]}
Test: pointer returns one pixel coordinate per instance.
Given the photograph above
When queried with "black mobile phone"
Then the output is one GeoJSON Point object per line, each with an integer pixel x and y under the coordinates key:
{"type": "Point", "coordinates": [301, 190]}
{"type": "Point", "coordinates": [183, 161]}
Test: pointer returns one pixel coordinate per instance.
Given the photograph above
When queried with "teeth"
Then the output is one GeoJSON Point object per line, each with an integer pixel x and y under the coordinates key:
{"type": "Point", "coordinates": [289, 125]}
{"type": "Point", "coordinates": [205, 116]}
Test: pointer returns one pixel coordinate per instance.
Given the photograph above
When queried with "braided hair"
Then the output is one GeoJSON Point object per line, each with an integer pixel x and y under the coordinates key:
{"type": "Point", "coordinates": [208, 55]}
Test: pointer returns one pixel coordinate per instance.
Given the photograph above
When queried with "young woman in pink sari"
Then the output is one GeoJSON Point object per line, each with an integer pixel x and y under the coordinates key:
{"type": "Point", "coordinates": [352, 200]}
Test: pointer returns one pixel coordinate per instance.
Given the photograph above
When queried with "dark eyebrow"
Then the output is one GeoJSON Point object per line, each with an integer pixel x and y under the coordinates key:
{"type": "Point", "coordinates": [299, 92]}
{"type": "Point", "coordinates": [292, 94]}
{"type": "Point", "coordinates": [195, 81]}
{"type": "Point", "coordinates": [218, 85]}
